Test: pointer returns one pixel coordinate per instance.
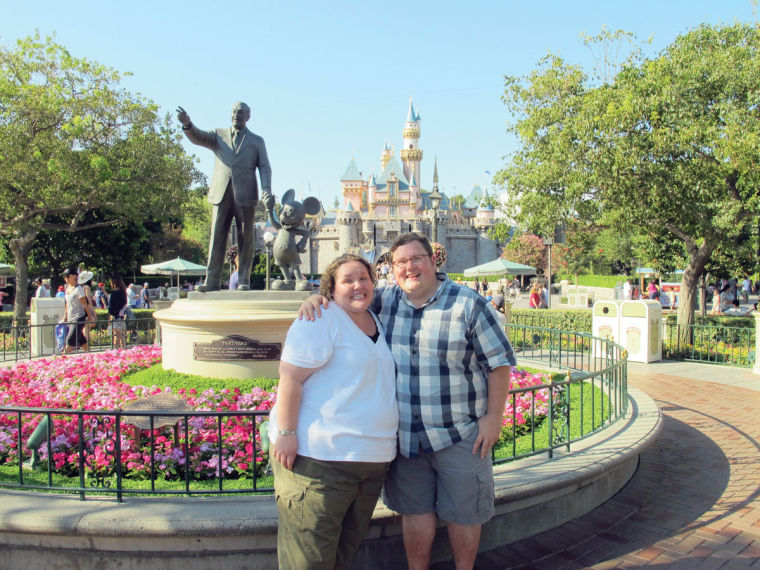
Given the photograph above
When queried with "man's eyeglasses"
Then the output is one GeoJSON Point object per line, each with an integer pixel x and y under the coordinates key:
{"type": "Point", "coordinates": [416, 260]}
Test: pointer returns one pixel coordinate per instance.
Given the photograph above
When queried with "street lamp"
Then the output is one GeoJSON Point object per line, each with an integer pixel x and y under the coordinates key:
{"type": "Point", "coordinates": [268, 240]}
{"type": "Point", "coordinates": [548, 242]}
{"type": "Point", "coordinates": [435, 200]}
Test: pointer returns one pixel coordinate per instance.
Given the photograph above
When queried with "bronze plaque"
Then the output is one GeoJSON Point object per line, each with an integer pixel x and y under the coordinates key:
{"type": "Point", "coordinates": [236, 347]}
{"type": "Point", "coordinates": [155, 403]}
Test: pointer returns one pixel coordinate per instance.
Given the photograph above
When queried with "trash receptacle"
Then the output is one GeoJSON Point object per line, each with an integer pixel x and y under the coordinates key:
{"type": "Point", "coordinates": [45, 314]}
{"type": "Point", "coordinates": [605, 324]}
{"type": "Point", "coordinates": [641, 329]}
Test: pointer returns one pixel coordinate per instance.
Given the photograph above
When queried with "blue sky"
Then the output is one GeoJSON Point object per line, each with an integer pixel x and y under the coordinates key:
{"type": "Point", "coordinates": [332, 80]}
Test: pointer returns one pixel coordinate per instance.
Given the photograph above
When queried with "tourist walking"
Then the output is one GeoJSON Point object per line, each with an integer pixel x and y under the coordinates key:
{"type": "Point", "coordinates": [334, 425]}
{"type": "Point", "coordinates": [117, 312]}
{"type": "Point", "coordinates": [78, 310]}
{"type": "Point", "coordinates": [101, 297]}
{"type": "Point", "coordinates": [145, 297]}
{"type": "Point", "coordinates": [534, 301]}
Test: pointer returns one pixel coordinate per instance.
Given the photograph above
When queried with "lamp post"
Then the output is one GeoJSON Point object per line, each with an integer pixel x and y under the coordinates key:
{"type": "Point", "coordinates": [268, 240]}
{"type": "Point", "coordinates": [548, 242]}
{"type": "Point", "coordinates": [435, 201]}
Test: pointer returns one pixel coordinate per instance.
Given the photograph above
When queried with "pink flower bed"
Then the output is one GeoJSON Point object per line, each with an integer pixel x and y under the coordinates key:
{"type": "Point", "coordinates": [521, 406]}
{"type": "Point", "coordinates": [93, 382]}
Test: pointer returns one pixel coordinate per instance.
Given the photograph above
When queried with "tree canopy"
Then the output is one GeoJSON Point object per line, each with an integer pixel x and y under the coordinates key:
{"type": "Point", "coordinates": [73, 142]}
{"type": "Point", "coordinates": [666, 147]}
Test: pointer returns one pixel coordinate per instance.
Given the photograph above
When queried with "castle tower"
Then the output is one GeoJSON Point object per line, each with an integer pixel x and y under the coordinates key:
{"type": "Point", "coordinates": [411, 155]}
{"type": "Point", "coordinates": [349, 227]}
{"type": "Point", "coordinates": [385, 156]}
{"type": "Point", "coordinates": [351, 185]}
{"type": "Point", "coordinates": [372, 188]}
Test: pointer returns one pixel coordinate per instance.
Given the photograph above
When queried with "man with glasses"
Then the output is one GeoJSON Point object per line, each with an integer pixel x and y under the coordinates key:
{"type": "Point", "coordinates": [453, 368]}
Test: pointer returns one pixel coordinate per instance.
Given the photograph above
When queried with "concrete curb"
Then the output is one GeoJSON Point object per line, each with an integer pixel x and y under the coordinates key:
{"type": "Point", "coordinates": [532, 495]}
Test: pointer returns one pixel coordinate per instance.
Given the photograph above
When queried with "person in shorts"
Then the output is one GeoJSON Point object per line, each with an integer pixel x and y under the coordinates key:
{"type": "Point", "coordinates": [453, 364]}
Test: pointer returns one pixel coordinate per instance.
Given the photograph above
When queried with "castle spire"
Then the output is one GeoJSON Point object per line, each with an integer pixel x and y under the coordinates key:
{"type": "Point", "coordinates": [435, 172]}
{"type": "Point", "coordinates": [410, 117]}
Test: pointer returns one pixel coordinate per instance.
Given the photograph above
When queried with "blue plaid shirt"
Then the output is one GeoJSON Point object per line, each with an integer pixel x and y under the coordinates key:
{"type": "Point", "coordinates": [444, 351]}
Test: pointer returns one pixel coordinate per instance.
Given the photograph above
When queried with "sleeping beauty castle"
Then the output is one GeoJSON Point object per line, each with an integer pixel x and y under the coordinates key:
{"type": "Point", "coordinates": [379, 206]}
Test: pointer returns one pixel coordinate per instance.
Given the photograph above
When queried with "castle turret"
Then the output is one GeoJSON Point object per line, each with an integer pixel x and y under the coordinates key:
{"type": "Point", "coordinates": [352, 184]}
{"type": "Point", "coordinates": [349, 228]}
{"type": "Point", "coordinates": [385, 156]}
{"type": "Point", "coordinates": [411, 155]}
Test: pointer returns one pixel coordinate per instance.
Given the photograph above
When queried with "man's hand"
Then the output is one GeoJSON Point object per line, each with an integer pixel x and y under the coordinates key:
{"type": "Point", "coordinates": [489, 430]}
{"type": "Point", "coordinates": [268, 201]}
{"type": "Point", "coordinates": [285, 450]}
{"type": "Point", "coordinates": [312, 307]}
{"type": "Point", "coordinates": [183, 117]}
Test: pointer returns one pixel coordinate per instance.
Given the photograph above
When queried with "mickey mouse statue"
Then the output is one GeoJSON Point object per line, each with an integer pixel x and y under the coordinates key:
{"type": "Point", "coordinates": [286, 250]}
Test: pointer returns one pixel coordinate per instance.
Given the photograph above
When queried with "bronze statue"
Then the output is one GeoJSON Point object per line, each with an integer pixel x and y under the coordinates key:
{"type": "Point", "coordinates": [286, 249]}
{"type": "Point", "coordinates": [233, 190]}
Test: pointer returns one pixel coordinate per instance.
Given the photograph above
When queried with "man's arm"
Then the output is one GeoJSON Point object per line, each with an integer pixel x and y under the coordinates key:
{"type": "Point", "coordinates": [311, 308]}
{"type": "Point", "coordinates": [196, 136]}
{"type": "Point", "coordinates": [265, 172]}
{"type": "Point", "coordinates": [489, 426]}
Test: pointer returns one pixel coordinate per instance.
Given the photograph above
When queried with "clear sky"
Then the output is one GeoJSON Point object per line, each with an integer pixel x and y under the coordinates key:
{"type": "Point", "coordinates": [332, 80]}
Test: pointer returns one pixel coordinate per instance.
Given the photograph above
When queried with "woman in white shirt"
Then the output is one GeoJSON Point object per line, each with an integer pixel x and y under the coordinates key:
{"type": "Point", "coordinates": [78, 309]}
{"type": "Point", "coordinates": [334, 425]}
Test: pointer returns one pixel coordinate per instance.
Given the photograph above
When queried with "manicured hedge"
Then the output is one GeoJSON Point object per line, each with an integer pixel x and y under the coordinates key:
{"type": "Point", "coordinates": [575, 320]}
{"type": "Point", "coordinates": [609, 281]}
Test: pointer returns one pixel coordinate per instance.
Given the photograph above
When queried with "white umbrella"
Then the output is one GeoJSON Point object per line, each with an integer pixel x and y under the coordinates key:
{"type": "Point", "coordinates": [173, 266]}
{"type": "Point", "coordinates": [499, 267]}
{"type": "Point", "coordinates": [7, 270]}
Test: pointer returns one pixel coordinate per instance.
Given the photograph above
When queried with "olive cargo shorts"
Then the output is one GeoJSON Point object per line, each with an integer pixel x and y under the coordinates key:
{"type": "Point", "coordinates": [325, 508]}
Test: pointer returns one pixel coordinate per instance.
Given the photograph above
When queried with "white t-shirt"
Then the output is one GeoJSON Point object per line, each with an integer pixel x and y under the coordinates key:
{"type": "Point", "coordinates": [348, 406]}
{"type": "Point", "coordinates": [74, 307]}
{"type": "Point", "coordinates": [42, 292]}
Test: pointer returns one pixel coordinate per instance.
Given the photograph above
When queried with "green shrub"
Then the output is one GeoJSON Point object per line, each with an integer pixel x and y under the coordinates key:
{"type": "Point", "coordinates": [609, 281]}
{"type": "Point", "coordinates": [574, 320]}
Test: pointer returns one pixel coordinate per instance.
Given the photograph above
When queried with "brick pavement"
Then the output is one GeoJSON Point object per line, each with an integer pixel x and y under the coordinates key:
{"type": "Point", "coordinates": [694, 501]}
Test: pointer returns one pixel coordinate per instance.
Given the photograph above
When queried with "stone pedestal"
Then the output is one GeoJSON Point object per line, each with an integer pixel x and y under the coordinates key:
{"type": "Point", "coordinates": [228, 334]}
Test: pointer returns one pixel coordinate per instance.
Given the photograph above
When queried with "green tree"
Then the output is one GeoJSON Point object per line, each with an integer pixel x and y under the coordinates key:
{"type": "Point", "coordinates": [196, 218]}
{"type": "Point", "coordinates": [670, 146]}
{"type": "Point", "coordinates": [72, 141]}
{"type": "Point", "coordinates": [457, 201]}
{"type": "Point", "coordinates": [527, 249]}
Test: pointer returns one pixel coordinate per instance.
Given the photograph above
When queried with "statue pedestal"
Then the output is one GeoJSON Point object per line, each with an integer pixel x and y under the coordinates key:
{"type": "Point", "coordinates": [228, 334]}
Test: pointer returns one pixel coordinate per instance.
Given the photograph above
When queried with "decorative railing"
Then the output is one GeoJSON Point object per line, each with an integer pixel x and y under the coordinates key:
{"type": "Point", "coordinates": [25, 341]}
{"type": "Point", "coordinates": [157, 450]}
{"type": "Point", "coordinates": [715, 344]}
{"type": "Point", "coordinates": [592, 395]}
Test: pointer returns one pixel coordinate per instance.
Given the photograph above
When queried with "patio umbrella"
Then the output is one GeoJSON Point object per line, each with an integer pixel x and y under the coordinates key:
{"type": "Point", "coordinates": [499, 267]}
{"type": "Point", "coordinates": [7, 270]}
{"type": "Point", "coordinates": [174, 266]}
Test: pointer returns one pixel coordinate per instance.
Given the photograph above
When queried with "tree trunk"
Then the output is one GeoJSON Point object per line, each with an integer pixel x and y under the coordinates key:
{"type": "Point", "coordinates": [20, 247]}
{"type": "Point", "coordinates": [703, 294]}
{"type": "Point", "coordinates": [694, 269]}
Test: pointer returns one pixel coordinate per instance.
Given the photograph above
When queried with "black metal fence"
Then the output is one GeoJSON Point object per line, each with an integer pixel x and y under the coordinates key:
{"type": "Point", "coordinates": [25, 341]}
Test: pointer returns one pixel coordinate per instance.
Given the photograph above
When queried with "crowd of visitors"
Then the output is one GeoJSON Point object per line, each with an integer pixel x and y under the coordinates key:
{"type": "Point", "coordinates": [81, 297]}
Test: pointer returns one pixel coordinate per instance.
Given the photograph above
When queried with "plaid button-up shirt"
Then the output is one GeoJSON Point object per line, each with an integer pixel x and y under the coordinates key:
{"type": "Point", "coordinates": [444, 351]}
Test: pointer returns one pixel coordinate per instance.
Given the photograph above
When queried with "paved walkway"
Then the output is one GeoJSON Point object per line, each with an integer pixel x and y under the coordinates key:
{"type": "Point", "coordinates": [694, 501]}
